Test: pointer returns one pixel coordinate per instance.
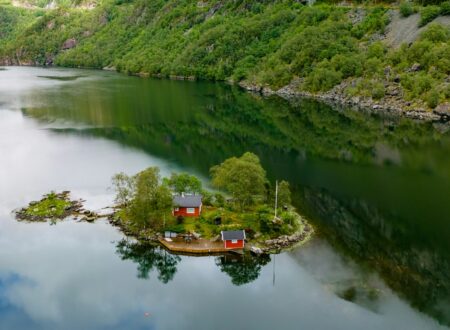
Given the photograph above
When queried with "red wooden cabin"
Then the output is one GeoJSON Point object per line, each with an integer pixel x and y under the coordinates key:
{"type": "Point", "coordinates": [187, 205]}
{"type": "Point", "coordinates": [233, 239]}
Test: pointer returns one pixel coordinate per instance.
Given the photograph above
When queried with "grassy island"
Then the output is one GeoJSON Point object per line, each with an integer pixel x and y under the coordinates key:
{"type": "Point", "coordinates": [247, 201]}
{"type": "Point", "coordinates": [53, 206]}
{"type": "Point", "coordinates": [148, 206]}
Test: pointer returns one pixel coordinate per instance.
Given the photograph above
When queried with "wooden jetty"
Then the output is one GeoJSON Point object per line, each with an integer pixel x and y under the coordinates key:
{"type": "Point", "coordinates": [196, 246]}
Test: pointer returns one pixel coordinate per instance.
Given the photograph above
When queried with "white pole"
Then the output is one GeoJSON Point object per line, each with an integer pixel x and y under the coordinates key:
{"type": "Point", "coordinates": [276, 198]}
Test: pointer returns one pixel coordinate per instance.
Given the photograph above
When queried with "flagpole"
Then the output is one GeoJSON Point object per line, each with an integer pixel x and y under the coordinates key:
{"type": "Point", "coordinates": [276, 198]}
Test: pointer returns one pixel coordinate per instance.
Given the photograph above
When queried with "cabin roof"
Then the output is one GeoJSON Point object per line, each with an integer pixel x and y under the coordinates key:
{"type": "Point", "coordinates": [233, 234]}
{"type": "Point", "coordinates": [187, 200]}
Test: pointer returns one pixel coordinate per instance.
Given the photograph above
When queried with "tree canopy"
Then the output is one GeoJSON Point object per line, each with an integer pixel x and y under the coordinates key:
{"type": "Point", "coordinates": [244, 178]}
{"type": "Point", "coordinates": [184, 183]}
{"type": "Point", "coordinates": [124, 186]}
{"type": "Point", "coordinates": [147, 198]}
{"type": "Point", "coordinates": [284, 193]}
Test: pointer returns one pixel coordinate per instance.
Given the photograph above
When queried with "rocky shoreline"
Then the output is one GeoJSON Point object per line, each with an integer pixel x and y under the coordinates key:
{"type": "Point", "coordinates": [141, 235]}
{"type": "Point", "coordinates": [284, 242]}
{"type": "Point", "coordinates": [72, 208]}
{"type": "Point", "coordinates": [75, 209]}
{"type": "Point", "coordinates": [392, 104]}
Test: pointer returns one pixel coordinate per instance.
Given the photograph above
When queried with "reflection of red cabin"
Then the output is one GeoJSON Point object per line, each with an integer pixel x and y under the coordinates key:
{"type": "Point", "coordinates": [187, 205]}
{"type": "Point", "coordinates": [233, 239]}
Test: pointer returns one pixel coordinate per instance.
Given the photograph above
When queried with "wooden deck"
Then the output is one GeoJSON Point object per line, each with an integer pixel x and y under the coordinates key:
{"type": "Point", "coordinates": [198, 246]}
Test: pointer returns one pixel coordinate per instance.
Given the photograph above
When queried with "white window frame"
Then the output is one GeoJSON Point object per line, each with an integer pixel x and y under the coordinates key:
{"type": "Point", "coordinates": [177, 209]}
{"type": "Point", "coordinates": [234, 241]}
{"type": "Point", "coordinates": [190, 210]}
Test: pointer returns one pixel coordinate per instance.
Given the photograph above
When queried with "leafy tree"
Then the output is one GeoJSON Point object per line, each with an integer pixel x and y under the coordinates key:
{"type": "Point", "coordinates": [184, 183]}
{"type": "Point", "coordinates": [284, 193]}
{"type": "Point", "coordinates": [124, 186]}
{"type": "Point", "coordinates": [244, 178]}
{"type": "Point", "coordinates": [207, 197]}
{"type": "Point", "coordinates": [151, 201]}
{"type": "Point", "coordinates": [219, 200]}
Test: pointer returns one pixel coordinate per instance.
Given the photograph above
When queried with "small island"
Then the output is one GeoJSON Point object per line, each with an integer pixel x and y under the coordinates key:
{"type": "Point", "coordinates": [243, 210]}
{"type": "Point", "coordinates": [54, 206]}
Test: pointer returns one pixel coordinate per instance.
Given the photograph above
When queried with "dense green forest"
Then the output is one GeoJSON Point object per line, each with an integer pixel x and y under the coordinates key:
{"type": "Point", "coordinates": [258, 43]}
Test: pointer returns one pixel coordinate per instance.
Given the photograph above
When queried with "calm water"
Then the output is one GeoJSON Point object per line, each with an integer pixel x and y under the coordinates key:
{"type": "Point", "coordinates": [376, 188]}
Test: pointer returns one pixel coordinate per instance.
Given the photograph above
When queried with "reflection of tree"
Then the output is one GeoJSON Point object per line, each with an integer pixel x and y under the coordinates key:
{"type": "Point", "coordinates": [149, 257]}
{"type": "Point", "coordinates": [242, 269]}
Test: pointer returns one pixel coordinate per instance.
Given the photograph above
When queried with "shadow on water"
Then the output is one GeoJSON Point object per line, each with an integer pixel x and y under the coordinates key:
{"type": "Point", "coordinates": [377, 187]}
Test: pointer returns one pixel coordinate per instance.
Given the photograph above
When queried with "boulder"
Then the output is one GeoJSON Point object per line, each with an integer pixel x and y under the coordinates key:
{"type": "Point", "coordinates": [69, 43]}
{"type": "Point", "coordinates": [415, 67]}
{"type": "Point", "coordinates": [442, 109]}
{"type": "Point", "coordinates": [256, 250]}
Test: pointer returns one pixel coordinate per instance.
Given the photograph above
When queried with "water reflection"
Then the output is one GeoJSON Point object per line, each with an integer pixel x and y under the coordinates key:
{"type": "Point", "coordinates": [420, 271]}
{"type": "Point", "coordinates": [149, 257]}
{"type": "Point", "coordinates": [390, 176]}
{"type": "Point", "coordinates": [379, 185]}
{"type": "Point", "coordinates": [242, 269]}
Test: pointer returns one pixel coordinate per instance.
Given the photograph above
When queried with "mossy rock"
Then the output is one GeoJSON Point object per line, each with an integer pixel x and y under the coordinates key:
{"type": "Point", "coordinates": [53, 206]}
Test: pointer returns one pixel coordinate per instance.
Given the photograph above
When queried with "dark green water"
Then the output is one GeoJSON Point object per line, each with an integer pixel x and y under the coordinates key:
{"type": "Point", "coordinates": [377, 189]}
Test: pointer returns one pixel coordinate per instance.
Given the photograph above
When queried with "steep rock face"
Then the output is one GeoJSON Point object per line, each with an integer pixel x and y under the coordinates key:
{"type": "Point", "coordinates": [53, 4]}
{"type": "Point", "coordinates": [406, 30]}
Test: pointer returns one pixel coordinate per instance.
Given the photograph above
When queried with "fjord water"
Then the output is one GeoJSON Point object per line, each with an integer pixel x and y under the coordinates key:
{"type": "Point", "coordinates": [376, 189]}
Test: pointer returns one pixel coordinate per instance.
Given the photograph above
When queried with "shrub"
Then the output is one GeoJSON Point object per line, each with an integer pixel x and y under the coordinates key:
{"type": "Point", "coordinates": [375, 20]}
{"type": "Point", "coordinates": [432, 98]}
{"type": "Point", "coordinates": [349, 66]}
{"type": "Point", "coordinates": [378, 90]}
{"type": "Point", "coordinates": [175, 228]}
{"type": "Point", "coordinates": [376, 50]}
{"type": "Point", "coordinates": [445, 8]}
{"type": "Point", "coordinates": [373, 66]}
{"type": "Point", "coordinates": [429, 13]}
{"type": "Point", "coordinates": [207, 198]}
{"type": "Point", "coordinates": [417, 85]}
{"type": "Point", "coordinates": [219, 200]}
{"type": "Point", "coordinates": [322, 79]}
{"type": "Point", "coordinates": [288, 217]}
{"type": "Point", "coordinates": [406, 9]}
{"type": "Point", "coordinates": [436, 33]}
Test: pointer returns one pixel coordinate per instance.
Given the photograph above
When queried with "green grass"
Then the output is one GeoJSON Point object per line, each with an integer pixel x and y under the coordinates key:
{"type": "Point", "coordinates": [50, 207]}
{"type": "Point", "coordinates": [252, 220]}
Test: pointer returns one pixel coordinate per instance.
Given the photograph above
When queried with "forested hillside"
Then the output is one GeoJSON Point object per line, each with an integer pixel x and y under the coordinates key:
{"type": "Point", "coordinates": [314, 48]}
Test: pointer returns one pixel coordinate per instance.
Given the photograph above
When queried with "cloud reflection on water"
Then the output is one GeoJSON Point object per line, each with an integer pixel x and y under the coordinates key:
{"type": "Point", "coordinates": [68, 276]}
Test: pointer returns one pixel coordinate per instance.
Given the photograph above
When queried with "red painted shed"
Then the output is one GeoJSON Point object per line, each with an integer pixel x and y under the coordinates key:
{"type": "Point", "coordinates": [187, 205]}
{"type": "Point", "coordinates": [233, 239]}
